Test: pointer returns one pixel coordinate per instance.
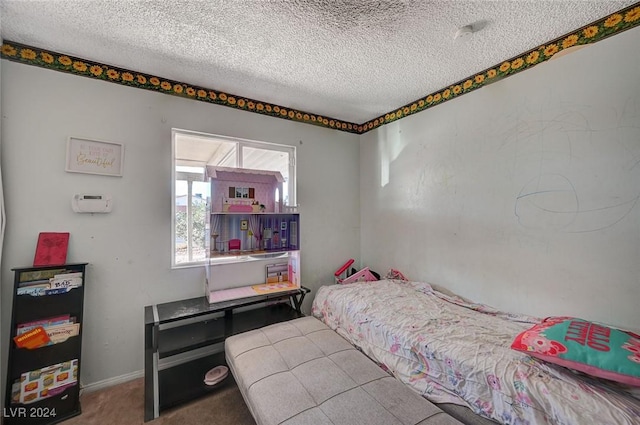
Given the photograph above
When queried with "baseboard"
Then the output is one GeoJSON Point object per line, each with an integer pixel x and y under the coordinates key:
{"type": "Point", "coordinates": [109, 382]}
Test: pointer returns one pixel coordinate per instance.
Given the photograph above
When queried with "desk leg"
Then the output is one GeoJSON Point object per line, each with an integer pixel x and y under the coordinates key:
{"type": "Point", "coordinates": [148, 372]}
{"type": "Point", "coordinates": [151, 384]}
{"type": "Point", "coordinates": [228, 323]}
{"type": "Point", "coordinates": [297, 302]}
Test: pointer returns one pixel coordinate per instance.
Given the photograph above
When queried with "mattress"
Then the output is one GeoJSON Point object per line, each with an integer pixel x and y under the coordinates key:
{"type": "Point", "coordinates": [300, 373]}
{"type": "Point", "coordinates": [452, 351]}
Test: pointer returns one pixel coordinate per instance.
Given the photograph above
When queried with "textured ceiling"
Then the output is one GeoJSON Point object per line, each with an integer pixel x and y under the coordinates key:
{"type": "Point", "coordinates": [352, 60]}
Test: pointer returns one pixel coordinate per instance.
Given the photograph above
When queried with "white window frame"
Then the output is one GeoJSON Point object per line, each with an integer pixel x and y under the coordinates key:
{"type": "Point", "coordinates": [191, 177]}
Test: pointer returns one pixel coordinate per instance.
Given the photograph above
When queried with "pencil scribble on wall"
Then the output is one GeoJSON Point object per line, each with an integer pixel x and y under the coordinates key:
{"type": "Point", "coordinates": [582, 176]}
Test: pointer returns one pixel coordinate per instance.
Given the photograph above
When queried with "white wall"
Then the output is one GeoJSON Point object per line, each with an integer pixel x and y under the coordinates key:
{"type": "Point", "coordinates": [129, 249]}
{"type": "Point", "coordinates": [522, 195]}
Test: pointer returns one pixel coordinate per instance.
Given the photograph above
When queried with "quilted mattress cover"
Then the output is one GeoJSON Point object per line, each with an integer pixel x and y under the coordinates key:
{"type": "Point", "coordinates": [301, 372]}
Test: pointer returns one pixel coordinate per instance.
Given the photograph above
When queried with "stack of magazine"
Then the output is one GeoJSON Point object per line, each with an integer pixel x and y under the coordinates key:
{"type": "Point", "coordinates": [46, 331]}
{"type": "Point", "coordinates": [45, 382]}
{"type": "Point", "coordinates": [51, 330]}
{"type": "Point", "coordinates": [48, 282]}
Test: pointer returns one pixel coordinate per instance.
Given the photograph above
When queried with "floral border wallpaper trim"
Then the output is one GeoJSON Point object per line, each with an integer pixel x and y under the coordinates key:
{"type": "Point", "coordinates": [589, 34]}
{"type": "Point", "coordinates": [65, 63]}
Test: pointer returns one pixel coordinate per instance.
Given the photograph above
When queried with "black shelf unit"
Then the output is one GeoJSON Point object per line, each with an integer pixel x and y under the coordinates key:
{"type": "Point", "coordinates": [195, 323]}
{"type": "Point", "coordinates": [28, 308]}
{"type": "Point", "coordinates": [183, 383]}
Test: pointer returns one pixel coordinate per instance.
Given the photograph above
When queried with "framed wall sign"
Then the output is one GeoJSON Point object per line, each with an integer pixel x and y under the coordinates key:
{"type": "Point", "coordinates": [94, 157]}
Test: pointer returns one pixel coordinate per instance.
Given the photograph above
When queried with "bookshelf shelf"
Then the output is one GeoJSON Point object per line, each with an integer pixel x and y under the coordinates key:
{"type": "Point", "coordinates": [190, 337]}
{"type": "Point", "coordinates": [183, 383]}
{"type": "Point", "coordinates": [43, 382]}
{"type": "Point", "coordinates": [26, 359]}
{"type": "Point", "coordinates": [30, 308]}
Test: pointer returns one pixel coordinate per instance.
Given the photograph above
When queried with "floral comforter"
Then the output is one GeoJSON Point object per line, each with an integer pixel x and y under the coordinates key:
{"type": "Point", "coordinates": [451, 351]}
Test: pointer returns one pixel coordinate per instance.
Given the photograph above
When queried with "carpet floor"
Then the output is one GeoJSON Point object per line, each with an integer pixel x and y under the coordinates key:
{"type": "Point", "coordinates": [123, 404]}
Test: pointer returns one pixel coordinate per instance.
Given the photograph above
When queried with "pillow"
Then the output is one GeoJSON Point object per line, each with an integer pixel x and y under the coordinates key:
{"type": "Point", "coordinates": [591, 348]}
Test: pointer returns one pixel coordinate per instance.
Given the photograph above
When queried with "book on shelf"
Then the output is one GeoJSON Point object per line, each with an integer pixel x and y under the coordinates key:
{"type": "Point", "coordinates": [36, 337]}
{"type": "Point", "coordinates": [36, 284]}
{"type": "Point", "coordinates": [60, 333]}
{"type": "Point", "coordinates": [66, 280]}
{"type": "Point", "coordinates": [51, 321]}
{"type": "Point", "coordinates": [57, 329]}
{"type": "Point", "coordinates": [46, 382]}
{"type": "Point", "coordinates": [36, 275]}
{"type": "Point", "coordinates": [40, 291]}
{"type": "Point", "coordinates": [51, 249]}
{"type": "Point", "coordinates": [58, 283]}
{"type": "Point", "coordinates": [43, 332]}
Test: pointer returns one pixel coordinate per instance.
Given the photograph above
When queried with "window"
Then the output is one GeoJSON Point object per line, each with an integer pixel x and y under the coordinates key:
{"type": "Point", "coordinates": [191, 191]}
